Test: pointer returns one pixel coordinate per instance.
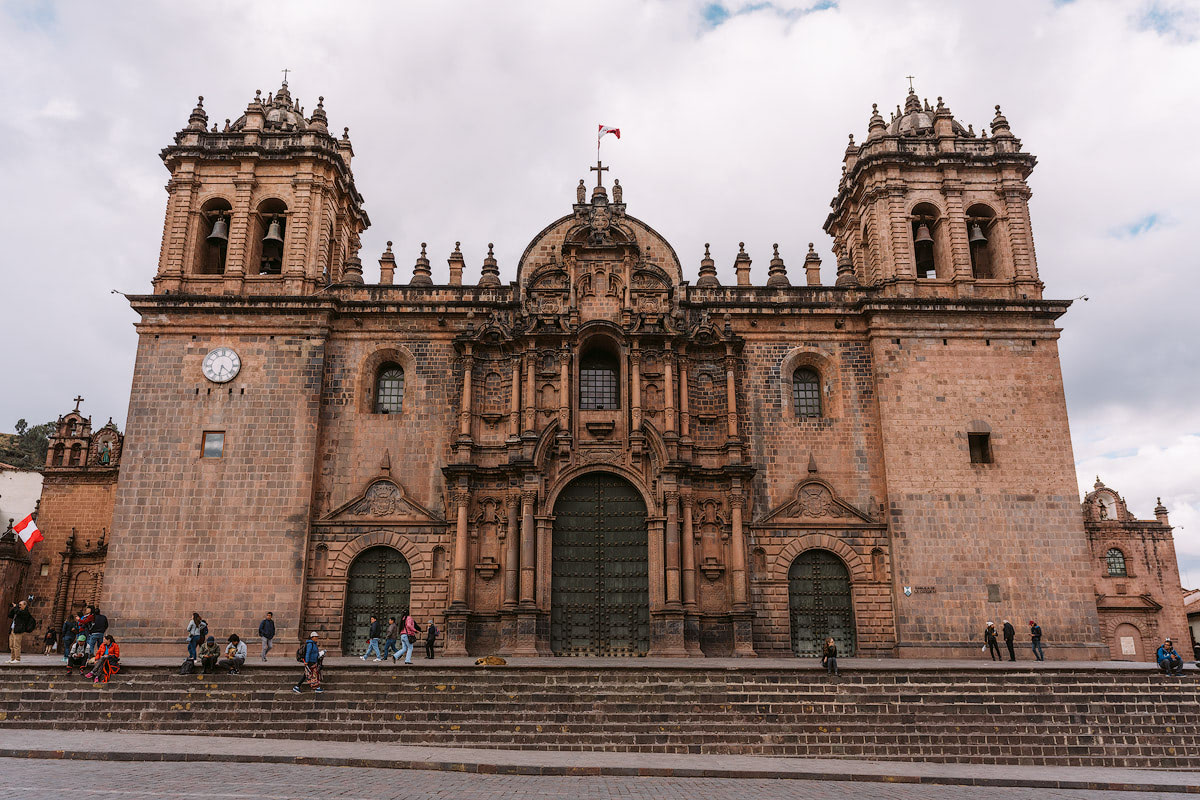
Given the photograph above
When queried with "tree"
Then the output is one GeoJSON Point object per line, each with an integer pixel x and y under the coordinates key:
{"type": "Point", "coordinates": [27, 449]}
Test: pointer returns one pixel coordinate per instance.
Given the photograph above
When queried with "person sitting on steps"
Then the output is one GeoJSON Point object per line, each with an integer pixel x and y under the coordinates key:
{"type": "Point", "coordinates": [829, 657]}
{"type": "Point", "coordinates": [235, 655]}
{"type": "Point", "coordinates": [1169, 660]}
{"type": "Point", "coordinates": [209, 653]}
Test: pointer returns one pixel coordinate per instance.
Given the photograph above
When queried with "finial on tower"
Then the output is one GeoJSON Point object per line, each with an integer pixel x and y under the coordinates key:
{"type": "Point", "coordinates": [490, 275]}
{"type": "Point", "coordinates": [708, 270]}
{"type": "Point", "coordinates": [422, 274]}
{"type": "Point", "coordinates": [777, 271]}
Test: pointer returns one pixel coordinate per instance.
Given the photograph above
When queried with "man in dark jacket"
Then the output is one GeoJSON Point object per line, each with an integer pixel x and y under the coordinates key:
{"type": "Point", "coordinates": [22, 623]}
{"type": "Point", "coordinates": [1010, 633]}
{"type": "Point", "coordinates": [266, 632]}
{"type": "Point", "coordinates": [431, 635]}
{"type": "Point", "coordinates": [96, 631]}
{"type": "Point", "coordinates": [373, 640]}
{"type": "Point", "coordinates": [70, 629]}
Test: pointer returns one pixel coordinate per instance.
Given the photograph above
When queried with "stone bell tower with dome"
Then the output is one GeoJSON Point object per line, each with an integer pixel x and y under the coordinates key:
{"type": "Point", "coordinates": [601, 457]}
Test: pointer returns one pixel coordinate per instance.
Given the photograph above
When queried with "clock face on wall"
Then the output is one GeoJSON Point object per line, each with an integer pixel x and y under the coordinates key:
{"type": "Point", "coordinates": [221, 365]}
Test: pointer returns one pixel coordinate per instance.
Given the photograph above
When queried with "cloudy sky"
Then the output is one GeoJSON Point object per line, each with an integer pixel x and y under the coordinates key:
{"type": "Point", "coordinates": [473, 121]}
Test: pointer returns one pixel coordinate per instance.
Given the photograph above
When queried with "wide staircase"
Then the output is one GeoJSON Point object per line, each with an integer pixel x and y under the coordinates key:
{"type": "Point", "coordinates": [1082, 717]}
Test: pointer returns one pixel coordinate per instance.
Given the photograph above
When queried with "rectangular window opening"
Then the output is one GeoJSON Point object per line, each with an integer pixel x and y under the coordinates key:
{"type": "Point", "coordinates": [981, 447]}
{"type": "Point", "coordinates": [213, 444]}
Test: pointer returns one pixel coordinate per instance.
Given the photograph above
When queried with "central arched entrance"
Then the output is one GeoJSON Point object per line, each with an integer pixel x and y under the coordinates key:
{"type": "Point", "coordinates": [377, 583]}
{"type": "Point", "coordinates": [820, 603]}
{"type": "Point", "coordinates": [600, 581]}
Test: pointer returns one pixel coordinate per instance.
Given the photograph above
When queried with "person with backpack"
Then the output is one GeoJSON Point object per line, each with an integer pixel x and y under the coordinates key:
{"type": "Point", "coordinates": [22, 623]}
{"type": "Point", "coordinates": [1035, 640]}
{"type": "Point", "coordinates": [197, 631]}
{"type": "Point", "coordinates": [310, 655]}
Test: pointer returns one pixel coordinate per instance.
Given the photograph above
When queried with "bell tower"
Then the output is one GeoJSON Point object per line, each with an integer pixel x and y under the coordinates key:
{"type": "Point", "coordinates": [265, 205]}
{"type": "Point", "coordinates": [926, 207]}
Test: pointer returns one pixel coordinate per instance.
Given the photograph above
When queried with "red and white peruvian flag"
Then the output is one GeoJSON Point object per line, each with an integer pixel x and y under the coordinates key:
{"type": "Point", "coordinates": [27, 531]}
{"type": "Point", "coordinates": [605, 129]}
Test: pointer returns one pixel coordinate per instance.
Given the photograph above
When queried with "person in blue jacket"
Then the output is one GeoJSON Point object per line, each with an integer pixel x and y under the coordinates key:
{"type": "Point", "coordinates": [1169, 660]}
{"type": "Point", "coordinates": [311, 655]}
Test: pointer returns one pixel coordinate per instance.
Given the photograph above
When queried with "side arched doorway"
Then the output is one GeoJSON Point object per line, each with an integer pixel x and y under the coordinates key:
{"type": "Point", "coordinates": [600, 579]}
{"type": "Point", "coordinates": [820, 604]}
{"type": "Point", "coordinates": [377, 583]}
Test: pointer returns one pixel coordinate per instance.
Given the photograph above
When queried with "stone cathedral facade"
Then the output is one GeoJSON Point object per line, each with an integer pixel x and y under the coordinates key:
{"type": "Point", "coordinates": [604, 456]}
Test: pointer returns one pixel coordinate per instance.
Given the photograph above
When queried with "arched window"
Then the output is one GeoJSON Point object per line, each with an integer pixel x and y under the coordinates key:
{"type": "Point", "coordinates": [1116, 563]}
{"type": "Point", "coordinates": [982, 236]}
{"type": "Point", "coordinates": [389, 389]}
{"type": "Point", "coordinates": [806, 392]}
{"type": "Point", "coordinates": [599, 381]}
{"type": "Point", "coordinates": [76, 455]}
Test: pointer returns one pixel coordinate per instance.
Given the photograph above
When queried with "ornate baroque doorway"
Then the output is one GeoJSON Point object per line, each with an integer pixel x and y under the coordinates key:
{"type": "Point", "coordinates": [377, 583]}
{"type": "Point", "coordinates": [820, 603]}
{"type": "Point", "coordinates": [600, 583]}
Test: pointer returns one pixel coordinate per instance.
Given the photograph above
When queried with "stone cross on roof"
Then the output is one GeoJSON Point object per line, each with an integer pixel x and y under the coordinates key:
{"type": "Point", "coordinates": [599, 169]}
{"type": "Point", "coordinates": [78, 400]}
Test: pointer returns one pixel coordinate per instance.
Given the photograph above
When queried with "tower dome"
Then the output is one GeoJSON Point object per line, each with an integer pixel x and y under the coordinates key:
{"type": "Point", "coordinates": [280, 112]}
{"type": "Point", "coordinates": [917, 119]}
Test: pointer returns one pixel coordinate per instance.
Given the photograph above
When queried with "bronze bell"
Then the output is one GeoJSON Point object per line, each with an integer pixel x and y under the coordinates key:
{"type": "Point", "coordinates": [273, 232]}
{"type": "Point", "coordinates": [923, 236]}
{"type": "Point", "coordinates": [977, 236]}
{"type": "Point", "coordinates": [220, 232]}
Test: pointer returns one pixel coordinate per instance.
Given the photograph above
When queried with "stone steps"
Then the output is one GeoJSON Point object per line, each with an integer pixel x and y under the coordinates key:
{"type": "Point", "coordinates": [1097, 717]}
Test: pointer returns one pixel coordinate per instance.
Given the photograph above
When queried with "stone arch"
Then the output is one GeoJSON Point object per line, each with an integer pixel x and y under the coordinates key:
{"type": "Point", "coordinates": [339, 567]}
{"type": "Point", "coordinates": [826, 368]}
{"type": "Point", "coordinates": [859, 567]}
{"type": "Point", "coordinates": [552, 492]}
{"type": "Point", "coordinates": [368, 369]}
{"type": "Point", "coordinates": [1119, 626]}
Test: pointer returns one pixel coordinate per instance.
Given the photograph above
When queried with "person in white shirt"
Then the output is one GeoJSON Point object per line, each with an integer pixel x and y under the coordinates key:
{"type": "Point", "coordinates": [235, 655]}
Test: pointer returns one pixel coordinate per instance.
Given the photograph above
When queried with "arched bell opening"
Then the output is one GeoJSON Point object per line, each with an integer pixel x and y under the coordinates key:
{"type": "Point", "coordinates": [212, 243]}
{"type": "Point", "coordinates": [269, 231]}
{"type": "Point", "coordinates": [983, 242]}
{"type": "Point", "coordinates": [929, 247]}
{"type": "Point", "coordinates": [378, 583]}
{"type": "Point", "coordinates": [820, 604]}
{"type": "Point", "coordinates": [600, 577]}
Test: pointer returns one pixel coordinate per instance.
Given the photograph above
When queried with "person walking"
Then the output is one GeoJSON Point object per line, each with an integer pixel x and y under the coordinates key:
{"type": "Point", "coordinates": [266, 632]}
{"type": "Point", "coordinates": [96, 630]}
{"type": "Point", "coordinates": [990, 643]}
{"type": "Point", "coordinates": [1035, 640]}
{"type": "Point", "coordinates": [431, 634]}
{"type": "Point", "coordinates": [310, 656]}
{"type": "Point", "coordinates": [235, 655]}
{"type": "Point", "coordinates": [1168, 658]}
{"type": "Point", "coordinates": [829, 657]}
{"type": "Point", "coordinates": [197, 630]}
{"type": "Point", "coordinates": [373, 640]}
{"type": "Point", "coordinates": [408, 637]}
{"type": "Point", "coordinates": [1010, 633]}
{"type": "Point", "coordinates": [389, 638]}
{"type": "Point", "coordinates": [22, 623]}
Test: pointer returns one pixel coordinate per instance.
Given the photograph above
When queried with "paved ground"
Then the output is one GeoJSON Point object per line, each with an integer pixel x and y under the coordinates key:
{"type": "Point", "coordinates": [26, 779]}
{"type": "Point", "coordinates": [284, 657]}
{"type": "Point", "coordinates": [95, 749]}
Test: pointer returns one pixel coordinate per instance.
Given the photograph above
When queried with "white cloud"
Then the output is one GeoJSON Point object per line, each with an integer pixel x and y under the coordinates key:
{"type": "Point", "coordinates": [473, 121]}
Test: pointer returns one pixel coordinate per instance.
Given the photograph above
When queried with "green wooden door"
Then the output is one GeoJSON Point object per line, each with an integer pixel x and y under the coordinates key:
{"type": "Point", "coordinates": [378, 584]}
{"type": "Point", "coordinates": [820, 603]}
{"type": "Point", "coordinates": [600, 583]}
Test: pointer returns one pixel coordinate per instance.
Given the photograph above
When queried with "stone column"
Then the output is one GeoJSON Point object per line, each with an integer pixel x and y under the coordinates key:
{"type": "Point", "coordinates": [671, 549]}
{"type": "Point", "coordinates": [514, 421]}
{"type": "Point", "coordinates": [635, 373]}
{"type": "Point", "coordinates": [528, 550]}
{"type": "Point", "coordinates": [530, 389]}
{"type": "Point", "coordinates": [901, 233]}
{"type": "Point", "coordinates": [512, 553]}
{"type": "Point", "coordinates": [462, 500]}
{"type": "Point", "coordinates": [238, 251]}
{"type": "Point", "coordinates": [669, 385]}
{"type": "Point", "coordinates": [177, 245]}
{"type": "Point", "coordinates": [654, 534]}
{"type": "Point", "coordinates": [737, 556]}
{"type": "Point", "coordinates": [691, 622]}
{"type": "Point", "coordinates": [731, 391]}
{"type": "Point", "coordinates": [564, 392]}
{"type": "Point", "coordinates": [464, 415]}
{"type": "Point", "coordinates": [685, 418]}
{"type": "Point", "coordinates": [1019, 237]}
{"type": "Point", "coordinates": [956, 229]}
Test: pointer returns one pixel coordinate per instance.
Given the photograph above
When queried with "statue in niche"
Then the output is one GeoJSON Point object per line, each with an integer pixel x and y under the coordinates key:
{"type": "Point", "coordinates": [105, 453]}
